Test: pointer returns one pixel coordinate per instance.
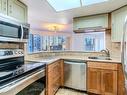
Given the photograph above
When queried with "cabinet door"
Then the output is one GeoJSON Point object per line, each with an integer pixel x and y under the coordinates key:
{"type": "Point", "coordinates": [18, 10]}
{"type": "Point", "coordinates": [121, 81]}
{"type": "Point", "coordinates": [94, 80]}
{"type": "Point", "coordinates": [53, 77]}
{"type": "Point", "coordinates": [0, 6]}
{"type": "Point", "coordinates": [3, 7]}
{"type": "Point", "coordinates": [90, 21]}
{"type": "Point", "coordinates": [109, 82]}
{"type": "Point", "coordinates": [118, 20]}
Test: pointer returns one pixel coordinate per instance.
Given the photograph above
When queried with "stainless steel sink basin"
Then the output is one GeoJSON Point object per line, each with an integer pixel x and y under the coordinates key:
{"type": "Point", "coordinates": [100, 58]}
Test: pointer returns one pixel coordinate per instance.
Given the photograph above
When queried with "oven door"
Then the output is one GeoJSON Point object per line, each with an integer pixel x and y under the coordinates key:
{"type": "Point", "coordinates": [35, 88]}
{"type": "Point", "coordinates": [31, 84]}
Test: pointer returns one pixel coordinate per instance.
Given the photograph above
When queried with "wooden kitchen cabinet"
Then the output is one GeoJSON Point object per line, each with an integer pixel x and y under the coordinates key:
{"type": "Point", "coordinates": [101, 79]}
{"type": "Point", "coordinates": [93, 80]}
{"type": "Point", "coordinates": [109, 82]}
{"type": "Point", "coordinates": [91, 21]}
{"type": "Point", "coordinates": [121, 81]}
{"type": "Point", "coordinates": [3, 6]}
{"type": "Point", "coordinates": [54, 77]}
{"type": "Point", "coordinates": [118, 20]}
{"type": "Point", "coordinates": [17, 10]}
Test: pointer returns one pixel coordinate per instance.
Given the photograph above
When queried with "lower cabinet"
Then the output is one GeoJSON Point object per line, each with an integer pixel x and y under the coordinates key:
{"type": "Point", "coordinates": [54, 77]}
{"type": "Point", "coordinates": [101, 79]}
{"type": "Point", "coordinates": [94, 81]}
{"type": "Point", "coordinates": [109, 82]}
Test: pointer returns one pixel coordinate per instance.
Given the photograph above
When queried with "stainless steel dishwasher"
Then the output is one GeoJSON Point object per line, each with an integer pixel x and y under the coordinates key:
{"type": "Point", "coordinates": [75, 74]}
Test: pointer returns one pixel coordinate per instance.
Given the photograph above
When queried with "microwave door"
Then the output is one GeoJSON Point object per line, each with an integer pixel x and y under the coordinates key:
{"type": "Point", "coordinates": [9, 30]}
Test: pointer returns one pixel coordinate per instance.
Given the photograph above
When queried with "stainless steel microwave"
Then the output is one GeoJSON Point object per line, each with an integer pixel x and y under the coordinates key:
{"type": "Point", "coordinates": [13, 31]}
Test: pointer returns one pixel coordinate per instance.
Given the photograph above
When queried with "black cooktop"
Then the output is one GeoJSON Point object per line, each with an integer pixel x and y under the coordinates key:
{"type": "Point", "coordinates": [21, 70]}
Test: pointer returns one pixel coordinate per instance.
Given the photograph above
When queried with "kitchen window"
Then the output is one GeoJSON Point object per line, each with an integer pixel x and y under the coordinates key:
{"type": "Point", "coordinates": [38, 43]}
{"type": "Point", "coordinates": [94, 41]}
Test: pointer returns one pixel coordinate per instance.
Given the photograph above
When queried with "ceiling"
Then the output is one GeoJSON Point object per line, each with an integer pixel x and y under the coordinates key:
{"type": "Point", "coordinates": [40, 12]}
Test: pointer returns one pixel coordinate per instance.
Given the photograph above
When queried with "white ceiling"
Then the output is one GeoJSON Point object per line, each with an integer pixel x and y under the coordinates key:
{"type": "Point", "coordinates": [40, 12]}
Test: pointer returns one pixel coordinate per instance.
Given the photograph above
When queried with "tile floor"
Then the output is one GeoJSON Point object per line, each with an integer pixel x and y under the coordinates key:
{"type": "Point", "coordinates": [63, 91]}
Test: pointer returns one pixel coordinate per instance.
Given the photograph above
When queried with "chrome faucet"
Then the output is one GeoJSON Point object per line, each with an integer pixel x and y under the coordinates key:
{"type": "Point", "coordinates": [106, 51]}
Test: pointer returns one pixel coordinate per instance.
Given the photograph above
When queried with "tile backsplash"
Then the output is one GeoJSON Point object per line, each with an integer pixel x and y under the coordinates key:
{"type": "Point", "coordinates": [9, 46]}
{"type": "Point", "coordinates": [115, 48]}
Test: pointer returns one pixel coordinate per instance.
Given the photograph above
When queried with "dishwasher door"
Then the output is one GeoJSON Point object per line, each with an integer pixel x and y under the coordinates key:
{"type": "Point", "coordinates": [75, 75]}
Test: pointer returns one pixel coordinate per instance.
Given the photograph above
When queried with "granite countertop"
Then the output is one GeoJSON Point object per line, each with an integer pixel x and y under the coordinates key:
{"type": "Point", "coordinates": [49, 60]}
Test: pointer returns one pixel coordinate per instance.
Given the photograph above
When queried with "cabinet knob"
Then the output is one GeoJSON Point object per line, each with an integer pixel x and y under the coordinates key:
{"type": "Point", "coordinates": [10, 8]}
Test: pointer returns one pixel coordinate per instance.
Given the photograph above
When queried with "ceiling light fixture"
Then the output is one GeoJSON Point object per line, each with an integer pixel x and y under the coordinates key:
{"type": "Point", "coordinates": [55, 29]}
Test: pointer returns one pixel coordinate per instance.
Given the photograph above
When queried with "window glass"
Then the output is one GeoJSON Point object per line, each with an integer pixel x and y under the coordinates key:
{"type": "Point", "coordinates": [90, 2]}
{"type": "Point", "coordinates": [46, 43]}
{"type": "Point", "coordinates": [30, 43]}
{"type": "Point", "coordinates": [60, 5]}
{"type": "Point", "coordinates": [94, 41]}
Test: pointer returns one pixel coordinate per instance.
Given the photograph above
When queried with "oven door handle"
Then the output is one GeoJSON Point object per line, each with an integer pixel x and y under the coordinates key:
{"type": "Point", "coordinates": [22, 32]}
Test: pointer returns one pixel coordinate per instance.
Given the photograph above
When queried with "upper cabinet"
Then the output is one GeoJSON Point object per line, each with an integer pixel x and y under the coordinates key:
{"type": "Point", "coordinates": [91, 21]}
{"type": "Point", "coordinates": [18, 10]}
{"type": "Point", "coordinates": [15, 9]}
{"type": "Point", "coordinates": [118, 20]}
{"type": "Point", "coordinates": [3, 6]}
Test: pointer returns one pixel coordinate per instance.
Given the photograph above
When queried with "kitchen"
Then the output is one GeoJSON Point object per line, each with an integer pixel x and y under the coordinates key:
{"type": "Point", "coordinates": [75, 47]}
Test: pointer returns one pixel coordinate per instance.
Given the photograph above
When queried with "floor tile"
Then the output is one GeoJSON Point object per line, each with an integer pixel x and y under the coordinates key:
{"type": "Point", "coordinates": [63, 91]}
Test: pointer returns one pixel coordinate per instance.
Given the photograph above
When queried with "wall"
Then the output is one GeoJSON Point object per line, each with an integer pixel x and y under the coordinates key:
{"type": "Point", "coordinates": [9, 45]}
{"type": "Point", "coordinates": [115, 48]}
{"type": "Point", "coordinates": [40, 32]}
{"type": "Point", "coordinates": [76, 42]}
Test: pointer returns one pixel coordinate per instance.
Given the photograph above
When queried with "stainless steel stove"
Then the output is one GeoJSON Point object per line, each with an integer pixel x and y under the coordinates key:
{"type": "Point", "coordinates": [13, 66]}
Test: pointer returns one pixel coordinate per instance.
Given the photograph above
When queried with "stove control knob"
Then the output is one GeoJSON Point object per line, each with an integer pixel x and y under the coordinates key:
{"type": "Point", "coordinates": [16, 73]}
{"type": "Point", "coordinates": [16, 52]}
{"type": "Point", "coordinates": [21, 52]}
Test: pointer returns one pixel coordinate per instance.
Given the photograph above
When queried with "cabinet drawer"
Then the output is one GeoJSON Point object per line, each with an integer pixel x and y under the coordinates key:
{"type": "Point", "coordinates": [101, 65]}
